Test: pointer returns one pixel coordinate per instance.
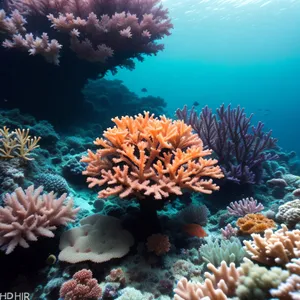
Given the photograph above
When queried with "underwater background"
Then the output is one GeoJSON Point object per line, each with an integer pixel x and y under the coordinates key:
{"type": "Point", "coordinates": [240, 52]}
{"type": "Point", "coordinates": [149, 150]}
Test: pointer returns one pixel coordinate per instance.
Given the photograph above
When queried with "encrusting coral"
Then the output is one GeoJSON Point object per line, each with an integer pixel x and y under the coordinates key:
{"type": "Point", "coordinates": [100, 238]}
{"type": "Point", "coordinates": [158, 243]}
{"type": "Point", "coordinates": [146, 156]}
{"type": "Point", "coordinates": [29, 214]}
{"type": "Point", "coordinates": [253, 223]}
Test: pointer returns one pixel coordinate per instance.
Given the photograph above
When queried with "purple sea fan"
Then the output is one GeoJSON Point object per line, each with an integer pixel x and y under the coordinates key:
{"type": "Point", "coordinates": [244, 207]}
{"type": "Point", "coordinates": [240, 148]}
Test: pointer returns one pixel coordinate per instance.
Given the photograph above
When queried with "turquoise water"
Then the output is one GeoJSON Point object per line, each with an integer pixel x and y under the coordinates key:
{"type": "Point", "coordinates": [240, 52]}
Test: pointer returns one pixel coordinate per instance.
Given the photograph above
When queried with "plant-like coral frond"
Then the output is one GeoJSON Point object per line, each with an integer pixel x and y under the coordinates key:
{"type": "Point", "coordinates": [17, 143]}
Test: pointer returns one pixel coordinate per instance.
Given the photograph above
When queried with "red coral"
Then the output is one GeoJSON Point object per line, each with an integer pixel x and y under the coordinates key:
{"type": "Point", "coordinates": [158, 243]}
{"type": "Point", "coordinates": [116, 275]}
{"type": "Point", "coordinates": [83, 286]}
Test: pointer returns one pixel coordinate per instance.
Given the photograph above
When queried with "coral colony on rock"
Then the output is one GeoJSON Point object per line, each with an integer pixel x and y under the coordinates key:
{"type": "Point", "coordinates": [131, 204]}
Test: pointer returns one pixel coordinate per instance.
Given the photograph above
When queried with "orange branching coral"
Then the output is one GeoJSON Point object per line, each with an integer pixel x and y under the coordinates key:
{"type": "Point", "coordinates": [254, 223]}
{"type": "Point", "coordinates": [144, 156]}
{"type": "Point", "coordinates": [158, 243]}
{"type": "Point", "coordinates": [17, 143]}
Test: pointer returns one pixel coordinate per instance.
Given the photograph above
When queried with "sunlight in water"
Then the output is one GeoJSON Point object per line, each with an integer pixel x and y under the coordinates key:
{"type": "Point", "coordinates": [197, 10]}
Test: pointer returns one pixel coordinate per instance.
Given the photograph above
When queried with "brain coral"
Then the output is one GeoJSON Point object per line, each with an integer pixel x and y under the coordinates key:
{"type": "Point", "coordinates": [151, 157]}
{"type": "Point", "coordinates": [289, 213]}
{"type": "Point", "coordinates": [253, 223]}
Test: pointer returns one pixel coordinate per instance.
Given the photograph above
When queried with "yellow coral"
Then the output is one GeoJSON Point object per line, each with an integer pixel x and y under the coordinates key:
{"type": "Point", "coordinates": [144, 156]}
{"type": "Point", "coordinates": [17, 143]}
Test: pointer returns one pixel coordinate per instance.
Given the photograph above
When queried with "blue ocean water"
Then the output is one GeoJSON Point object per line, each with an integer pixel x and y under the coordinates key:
{"type": "Point", "coordinates": [243, 52]}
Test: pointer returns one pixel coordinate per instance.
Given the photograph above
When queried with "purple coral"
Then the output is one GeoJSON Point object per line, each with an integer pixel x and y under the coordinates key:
{"type": "Point", "coordinates": [244, 207]}
{"type": "Point", "coordinates": [86, 38]}
{"type": "Point", "coordinates": [111, 32]}
{"type": "Point", "coordinates": [228, 232]}
{"type": "Point", "coordinates": [240, 148]}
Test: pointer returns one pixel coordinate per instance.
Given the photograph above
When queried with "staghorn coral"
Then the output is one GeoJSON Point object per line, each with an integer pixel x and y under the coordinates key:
{"type": "Point", "coordinates": [253, 223]}
{"type": "Point", "coordinates": [105, 94]}
{"type": "Point", "coordinates": [17, 143]}
{"type": "Point", "coordinates": [28, 214]}
{"type": "Point", "coordinates": [274, 248]}
{"type": "Point", "coordinates": [217, 286]}
{"type": "Point", "coordinates": [294, 266]}
{"type": "Point", "coordinates": [288, 290]}
{"type": "Point", "coordinates": [82, 287]}
{"type": "Point", "coordinates": [146, 156]}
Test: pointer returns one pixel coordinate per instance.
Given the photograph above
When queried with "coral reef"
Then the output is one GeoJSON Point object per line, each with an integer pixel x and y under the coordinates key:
{"type": "Point", "coordinates": [84, 39]}
{"type": "Point", "coordinates": [111, 98]}
{"type": "Point", "coordinates": [117, 260]}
